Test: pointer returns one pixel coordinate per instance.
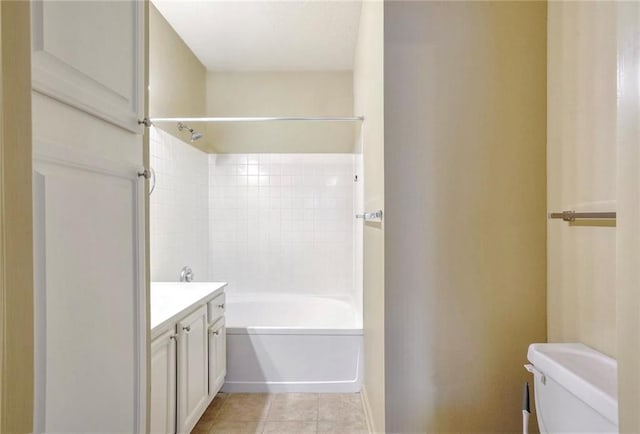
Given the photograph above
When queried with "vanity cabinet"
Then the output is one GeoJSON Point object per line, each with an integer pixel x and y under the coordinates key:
{"type": "Point", "coordinates": [163, 383]}
{"type": "Point", "coordinates": [188, 353]}
{"type": "Point", "coordinates": [193, 369]}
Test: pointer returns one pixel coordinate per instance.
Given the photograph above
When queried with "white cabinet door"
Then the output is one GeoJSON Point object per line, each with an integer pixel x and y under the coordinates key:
{"type": "Point", "coordinates": [163, 384]}
{"type": "Point", "coordinates": [89, 217]}
{"type": "Point", "coordinates": [89, 298]}
{"type": "Point", "coordinates": [193, 369]}
{"type": "Point", "coordinates": [217, 356]}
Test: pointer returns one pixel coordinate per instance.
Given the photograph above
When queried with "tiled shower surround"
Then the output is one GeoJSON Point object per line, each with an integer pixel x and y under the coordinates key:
{"type": "Point", "coordinates": [282, 222]}
{"type": "Point", "coordinates": [179, 210]}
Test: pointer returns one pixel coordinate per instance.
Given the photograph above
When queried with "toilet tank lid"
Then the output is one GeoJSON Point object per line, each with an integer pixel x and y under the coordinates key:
{"type": "Point", "coordinates": [588, 374]}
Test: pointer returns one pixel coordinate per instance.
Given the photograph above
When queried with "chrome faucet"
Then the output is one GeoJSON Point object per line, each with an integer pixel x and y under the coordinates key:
{"type": "Point", "coordinates": [186, 274]}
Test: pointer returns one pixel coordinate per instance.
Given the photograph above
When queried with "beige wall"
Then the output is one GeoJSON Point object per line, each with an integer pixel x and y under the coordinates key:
{"type": "Point", "coordinates": [581, 158]}
{"type": "Point", "coordinates": [179, 86]}
{"type": "Point", "coordinates": [177, 79]}
{"type": "Point", "coordinates": [320, 93]}
{"type": "Point", "coordinates": [628, 204]}
{"type": "Point", "coordinates": [16, 252]}
{"type": "Point", "coordinates": [465, 231]}
{"type": "Point", "coordinates": [368, 90]}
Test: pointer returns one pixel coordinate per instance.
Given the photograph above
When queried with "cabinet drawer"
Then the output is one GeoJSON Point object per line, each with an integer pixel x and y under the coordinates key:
{"type": "Point", "coordinates": [215, 308]}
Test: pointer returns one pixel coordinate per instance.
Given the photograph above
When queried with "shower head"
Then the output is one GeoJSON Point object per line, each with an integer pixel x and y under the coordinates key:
{"type": "Point", "coordinates": [195, 135]}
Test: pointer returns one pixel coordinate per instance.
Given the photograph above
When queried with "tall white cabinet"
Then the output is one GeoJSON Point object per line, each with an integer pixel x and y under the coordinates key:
{"type": "Point", "coordinates": [90, 291]}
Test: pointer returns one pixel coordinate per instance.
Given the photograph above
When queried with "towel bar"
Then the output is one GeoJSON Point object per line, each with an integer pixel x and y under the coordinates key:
{"type": "Point", "coordinates": [571, 216]}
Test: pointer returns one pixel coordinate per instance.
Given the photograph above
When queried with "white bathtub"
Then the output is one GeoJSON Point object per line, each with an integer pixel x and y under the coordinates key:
{"type": "Point", "coordinates": [292, 343]}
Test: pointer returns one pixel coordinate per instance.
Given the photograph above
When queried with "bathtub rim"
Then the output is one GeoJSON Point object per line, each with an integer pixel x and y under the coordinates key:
{"type": "Point", "coordinates": [299, 331]}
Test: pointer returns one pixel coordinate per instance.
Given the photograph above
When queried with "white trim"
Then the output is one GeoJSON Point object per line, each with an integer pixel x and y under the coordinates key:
{"type": "Point", "coordinates": [291, 387]}
{"type": "Point", "coordinates": [367, 410]}
{"type": "Point", "coordinates": [141, 301]}
{"type": "Point", "coordinates": [293, 331]}
{"type": "Point", "coordinates": [627, 230]}
{"type": "Point", "coordinates": [39, 307]}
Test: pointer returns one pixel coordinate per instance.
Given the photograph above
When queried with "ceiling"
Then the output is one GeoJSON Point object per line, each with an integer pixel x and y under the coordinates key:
{"type": "Point", "coordinates": [294, 35]}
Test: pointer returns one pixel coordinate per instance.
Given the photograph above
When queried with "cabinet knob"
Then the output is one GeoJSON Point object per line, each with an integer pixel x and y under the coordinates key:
{"type": "Point", "coordinates": [173, 337]}
{"type": "Point", "coordinates": [217, 332]}
{"type": "Point", "coordinates": [221, 306]}
{"type": "Point", "coordinates": [187, 329]}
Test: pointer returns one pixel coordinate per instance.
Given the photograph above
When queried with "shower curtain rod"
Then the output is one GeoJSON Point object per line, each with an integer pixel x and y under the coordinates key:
{"type": "Point", "coordinates": [259, 119]}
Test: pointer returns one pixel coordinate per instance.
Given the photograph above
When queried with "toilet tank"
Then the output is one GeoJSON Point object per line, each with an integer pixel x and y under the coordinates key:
{"type": "Point", "coordinates": [575, 388]}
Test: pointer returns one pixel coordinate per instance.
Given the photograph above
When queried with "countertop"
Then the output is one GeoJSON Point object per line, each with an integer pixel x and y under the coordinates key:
{"type": "Point", "coordinates": [171, 301]}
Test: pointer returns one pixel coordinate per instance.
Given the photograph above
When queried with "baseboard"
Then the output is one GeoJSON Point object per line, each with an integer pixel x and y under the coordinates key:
{"type": "Point", "coordinates": [367, 410]}
{"type": "Point", "coordinates": [291, 387]}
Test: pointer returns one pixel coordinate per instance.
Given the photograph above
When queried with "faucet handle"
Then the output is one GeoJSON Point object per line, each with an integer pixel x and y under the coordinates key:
{"type": "Point", "coordinates": [186, 274]}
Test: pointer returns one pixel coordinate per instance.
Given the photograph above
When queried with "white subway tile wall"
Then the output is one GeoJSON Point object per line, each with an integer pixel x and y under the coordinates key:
{"type": "Point", "coordinates": [179, 208]}
{"type": "Point", "coordinates": [282, 223]}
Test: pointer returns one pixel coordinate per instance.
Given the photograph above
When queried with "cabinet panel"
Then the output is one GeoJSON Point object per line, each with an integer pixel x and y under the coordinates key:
{"type": "Point", "coordinates": [90, 55]}
{"type": "Point", "coordinates": [217, 356]}
{"type": "Point", "coordinates": [193, 369]}
{"type": "Point", "coordinates": [163, 384]}
{"type": "Point", "coordinates": [89, 294]}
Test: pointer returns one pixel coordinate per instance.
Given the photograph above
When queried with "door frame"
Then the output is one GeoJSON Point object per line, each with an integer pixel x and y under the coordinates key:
{"type": "Point", "coordinates": [628, 208]}
{"type": "Point", "coordinates": [16, 232]}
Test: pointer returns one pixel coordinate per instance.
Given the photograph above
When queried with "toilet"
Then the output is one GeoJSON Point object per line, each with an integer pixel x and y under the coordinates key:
{"type": "Point", "coordinates": [575, 388]}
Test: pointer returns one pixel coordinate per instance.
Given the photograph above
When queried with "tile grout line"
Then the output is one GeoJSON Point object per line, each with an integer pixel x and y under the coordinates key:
{"type": "Point", "coordinates": [217, 414]}
{"type": "Point", "coordinates": [318, 415]}
{"type": "Point", "coordinates": [224, 401]}
{"type": "Point", "coordinates": [266, 416]}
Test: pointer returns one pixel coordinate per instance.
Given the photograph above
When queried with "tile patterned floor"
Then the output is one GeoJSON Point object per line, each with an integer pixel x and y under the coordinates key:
{"type": "Point", "coordinates": [285, 413]}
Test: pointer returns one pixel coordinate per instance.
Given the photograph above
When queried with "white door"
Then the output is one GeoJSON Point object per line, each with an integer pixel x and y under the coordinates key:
{"type": "Point", "coordinates": [163, 384]}
{"type": "Point", "coordinates": [217, 356]}
{"type": "Point", "coordinates": [193, 369]}
{"type": "Point", "coordinates": [90, 294]}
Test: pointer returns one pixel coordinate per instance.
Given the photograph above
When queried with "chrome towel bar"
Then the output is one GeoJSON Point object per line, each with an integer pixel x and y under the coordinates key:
{"type": "Point", "coordinates": [571, 216]}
